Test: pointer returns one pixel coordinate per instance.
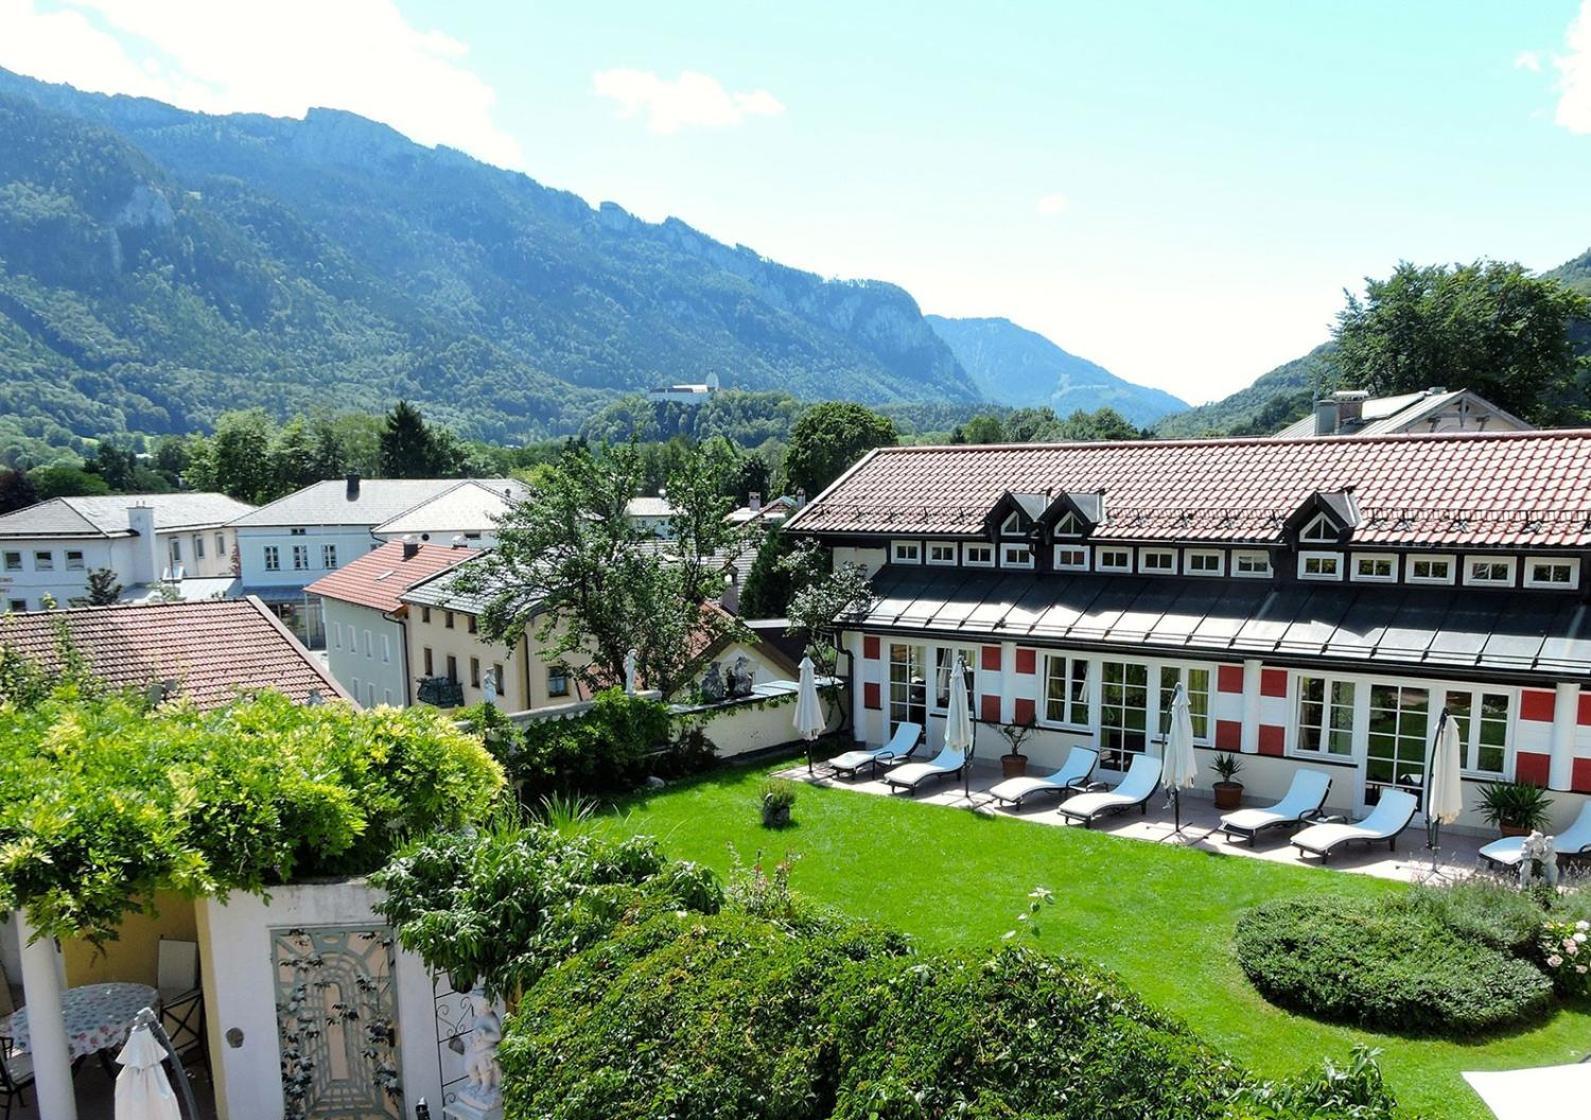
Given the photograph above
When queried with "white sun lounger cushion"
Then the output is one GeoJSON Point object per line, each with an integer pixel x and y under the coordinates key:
{"type": "Point", "coordinates": [946, 762]}
{"type": "Point", "coordinates": [1571, 841]}
{"type": "Point", "coordinates": [1306, 795]}
{"type": "Point", "coordinates": [1391, 816]}
{"type": "Point", "coordinates": [1136, 787]}
{"type": "Point", "coordinates": [1079, 764]}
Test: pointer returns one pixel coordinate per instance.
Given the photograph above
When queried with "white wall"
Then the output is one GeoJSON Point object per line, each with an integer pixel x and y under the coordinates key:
{"type": "Point", "coordinates": [239, 992]}
{"type": "Point", "coordinates": [64, 584]}
{"type": "Point", "coordinates": [351, 542]}
{"type": "Point", "coordinates": [365, 652]}
{"type": "Point", "coordinates": [743, 726]}
{"type": "Point", "coordinates": [216, 544]}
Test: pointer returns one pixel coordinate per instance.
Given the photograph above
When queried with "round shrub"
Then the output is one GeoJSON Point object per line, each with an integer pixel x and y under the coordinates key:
{"type": "Point", "coordinates": [1384, 963]}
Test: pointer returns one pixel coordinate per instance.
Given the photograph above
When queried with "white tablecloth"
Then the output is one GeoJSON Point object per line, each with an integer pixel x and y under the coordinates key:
{"type": "Point", "coordinates": [98, 1017]}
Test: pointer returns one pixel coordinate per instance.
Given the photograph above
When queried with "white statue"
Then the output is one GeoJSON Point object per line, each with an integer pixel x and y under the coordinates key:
{"type": "Point", "coordinates": [489, 686]}
{"type": "Point", "coordinates": [1539, 859]}
{"type": "Point", "coordinates": [482, 1097]}
{"type": "Point", "coordinates": [629, 671]}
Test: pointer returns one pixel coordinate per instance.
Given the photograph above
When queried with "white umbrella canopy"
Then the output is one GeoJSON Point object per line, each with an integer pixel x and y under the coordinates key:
{"type": "Point", "coordinates": [143, 1091]}
{"type": "Point", "coordinates": [1444, 795]}
{"type": "Point", "coordinates": [1545, 1093]}
{"type": "Point", "coordinates": [809, 721]}
{"type": "Point", "coordinates": [958, 714]}
{"type": "Point", "coordinates": [1179, 766]}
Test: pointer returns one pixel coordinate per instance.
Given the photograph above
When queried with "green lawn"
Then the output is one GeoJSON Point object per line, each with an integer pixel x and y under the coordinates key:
{"type": "Point", "coordinates": [1162, 918]}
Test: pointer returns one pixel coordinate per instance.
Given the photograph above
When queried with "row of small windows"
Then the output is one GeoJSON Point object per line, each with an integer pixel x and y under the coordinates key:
{"type": "Point", "coordinates": [44, 561]}
{"type": "Point", "coordinates": [369, 643]}
{"type": "Point", "coordinates": [448, 618]}
{"type": "Point", "coordinates": [1372, 567]}
{"type": "Point", "coordinates": [300, 557]}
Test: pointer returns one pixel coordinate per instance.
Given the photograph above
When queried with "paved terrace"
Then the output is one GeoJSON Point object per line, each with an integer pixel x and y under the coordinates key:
{"type": "Point", "coordinates": [1411, 861]}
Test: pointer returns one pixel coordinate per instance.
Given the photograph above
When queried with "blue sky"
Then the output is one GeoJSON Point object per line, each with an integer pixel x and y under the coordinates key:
{"type": "Point", "coordinates": [1177, 191]}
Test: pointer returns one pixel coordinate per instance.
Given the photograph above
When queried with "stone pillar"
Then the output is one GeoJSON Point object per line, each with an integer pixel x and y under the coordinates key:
{"type": "Point", "coordinates": [1565, 722]}
{"type": "Point", "coordinates": [1251, 706]}
{"type": "Point", "coordinates": [41, 987]}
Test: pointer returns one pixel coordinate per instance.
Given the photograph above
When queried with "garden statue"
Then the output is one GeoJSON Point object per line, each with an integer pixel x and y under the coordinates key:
{"type": "Point", "coordinates": [481, 1098]}
{"type": "Point", "coordinates": [489, 687]}
{"type": "Point", "coordinates": [1539, 860]}
{"type": "Point", "coordinates": [712, 685]}
{"type": "Point", "coordinates": [740, 678]}
{"type": "Point", "coordinates": [630, 659]}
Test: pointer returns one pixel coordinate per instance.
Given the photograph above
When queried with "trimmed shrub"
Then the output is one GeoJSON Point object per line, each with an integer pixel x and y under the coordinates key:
{"type": "Point", "coordinates": [1388, 964]}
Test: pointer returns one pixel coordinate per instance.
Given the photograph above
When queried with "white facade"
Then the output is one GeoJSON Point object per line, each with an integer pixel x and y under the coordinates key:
{"type": "Point", "coordinates": [365, 651]}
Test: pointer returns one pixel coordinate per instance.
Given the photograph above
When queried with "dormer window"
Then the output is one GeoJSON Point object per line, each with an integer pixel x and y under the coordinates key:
{"type": "Point", "coordinates": [941, 552]}
{"type": "Point", "coordinates": [1012, 525]}
{"type": "Point", "coordinates": [1541, 571]}
{"type": "Point", "coordinates": [905, 552]}
{"type": "Point", "coordinates": [1375, 567]}
{"type": "Point", "coordinates": [1489, 571]}
{"type": "Point", "coordinates": [1320, 529]}
{"type": "Point", "coordinates": [1071, 558]}
{"type": "Point", "coordinates": [1113, 559]}
{"type": "Point", "coordinates": [1319, 565]}
{"type": "Point", "coordinates": [1202, 563]}
{"type": "Point", "coordinates": [1016, 556]}
{"type": "Point", "coordinates": [1069, 526]}
{"type": "Point", "coordinates": [1429, 569]}
{"type": "Point", "coordinates": [1160, 561]}
{"type": "Point", "coordinates": [1251, 564]}
{"type": "Point", "coordinates": [977, 555]}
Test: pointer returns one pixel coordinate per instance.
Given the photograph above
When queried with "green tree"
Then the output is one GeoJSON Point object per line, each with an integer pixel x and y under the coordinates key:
{"type": "Point", "coordinates": [770, 582]}
{"type": "Point", "coordinates": [241, 448]}
{"type": "Point", "coordinates": [116, 465]}
{"type": "Point", "coordinates": [985, 427]}
{"type": "Point", "coordinates": [829, 438]}
{"type": "Point", "coordinates": [824, 593]}
{"type": "Point", "coordinates": [1102, 424]}
{"type": "Point", "coordinates": [1488, 326]}
{"type": "Point", "coordinates": [17, 491]}
{"type": "Point", "coordinates": [408, 449]}
{"type": "Point", "coordinates": [63, 481]}
{"type": "Point", "coordinates": [104, 588]}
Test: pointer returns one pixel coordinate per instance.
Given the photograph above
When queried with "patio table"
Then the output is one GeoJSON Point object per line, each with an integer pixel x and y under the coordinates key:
{"type": "Point", "coordinates": [98, 1017]}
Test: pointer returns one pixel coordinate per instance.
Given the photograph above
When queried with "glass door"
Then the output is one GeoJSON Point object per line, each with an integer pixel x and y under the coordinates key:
{"type": "Point", "coordinates": [908, 686]}
{"type": "Point", "coordinates": [1123, 712]}
{"type": "Point", "coordinates": [1400, 725]}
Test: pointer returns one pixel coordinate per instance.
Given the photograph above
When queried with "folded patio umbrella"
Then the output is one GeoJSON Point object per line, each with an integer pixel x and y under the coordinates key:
{"type": "Point", "coordinates": [1444, 794]}
{"type": "Point", "coordinates": [809, 721]}
{"type": "Point", "coordinates": [143, 1091]}
{"type": "Point", "coordinates": [1179, 767]}
{"type": "Point", "coordinates": [958, 720]}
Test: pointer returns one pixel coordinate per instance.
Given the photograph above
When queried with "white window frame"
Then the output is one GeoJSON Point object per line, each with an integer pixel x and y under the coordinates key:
{"type": "Point", "coordinates": [328, 557]}
{"type": "Point", "coordinates": [966, 555]}
{"type": "Point", "coordinates": [1509, 562]}
{"type": "Point", "coordinates": [1068, 662]}
{"type": "Point", "coordinates": [1189, 554]}
{"type": "Point", "coordinates": [1100, 552]}
{"type": "Point", "coordinates": [1060, 566]}
{"type": "Point", "coordinates": [1005, 556]}
{"type": "Point", "coordinates": [1069, 526]}
{"type": "Point", "coordinates": [43, 560]}
{"type": "Point", "coordinates": [1311, 533]}
{"type": "Point", "coordinates": [74, 560]}
{"type": "Point", "coordinates": [1431, 558]}
{"type": "Point", "coordinates": [1358, 716]}
{"type": "Point", "coordinates": [272, 558]}
{"type": "Point", "coordinates": [301, 558]}
{"type": "Point", "coordinates": [928, 556]}
{"type": "Point", "coordinates": [1012, 525]}
{"type": "Point", "coordinates": [1242, 554]}
{"type": "Point", "coordinates": [898, 552]}
{"type": "Point", "coordinates": [1358, 577]}
{"type": "Point", "coordinates": [1145, 553]}
{"type": "Point", "coordinates": [1568, 561]}
{"type": "Point", "coordinates": [198, 546]}
{"type": "Point", "coordinates": [1320, 577]}
{"type": "Point", "coordinates": [220, 545]}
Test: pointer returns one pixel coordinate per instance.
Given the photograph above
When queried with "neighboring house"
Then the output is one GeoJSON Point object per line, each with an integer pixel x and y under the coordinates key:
{"type": "Point", "coordinates": [466, 513]}
{"type": "Point", "coordinates": [652, 515]}
{"type": "Point", "coordinates": [765, 660]}
{"type": "Point", "coordinates": [208, 652]}
{"type": "Point", "coordinates": [758, 512]}
{"type": "Point", "coordinates": [177, 545]}
{"type": "Point", "coordinates": [1322, 601]}
{"type": "Point", "coordinates": [366, 622]}
{"type": "Point", "coordinates": [291, 542]}
{"type": "Point", "coordinates": [692, 394]}
{"type": "Point", "coordinates": [1357, 413]}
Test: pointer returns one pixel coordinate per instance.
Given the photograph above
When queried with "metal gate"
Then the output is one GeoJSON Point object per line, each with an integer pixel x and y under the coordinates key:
{"type": "Point", "coordinates": [337, 1022]}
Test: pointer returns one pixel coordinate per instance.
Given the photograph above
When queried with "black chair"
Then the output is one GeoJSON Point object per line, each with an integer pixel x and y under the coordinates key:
{"type": "Point", "coordinates": [16, 1075]}
{"type": "Point", "coordinates": [183, 1018]}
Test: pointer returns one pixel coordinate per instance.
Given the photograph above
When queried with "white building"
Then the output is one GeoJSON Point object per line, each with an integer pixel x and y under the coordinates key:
{"type": "Point", "coordinates": [1354, 412]}
{"type": "Point", "coordinates": [157, 544]}
{"type": "Point", "coordinates": [366, 621]}
{"type": "Point", "coordinates": [468, 512]}
{"type": "Point", "coordinates": [685, 393]}
{"type": "Point", "coordinates": [291, 542]}
{"type": "Point", "coordinates": [652, 515]}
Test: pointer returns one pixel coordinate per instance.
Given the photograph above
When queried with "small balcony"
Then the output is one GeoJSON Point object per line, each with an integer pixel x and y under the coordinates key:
{"type": "Point", "coordinates": [441, 692]}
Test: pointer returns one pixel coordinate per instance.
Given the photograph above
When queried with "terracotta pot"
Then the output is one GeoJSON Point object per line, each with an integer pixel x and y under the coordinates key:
{"type": "Point", "coordinates": [1014, 765]}
{"type": "Point", "coordinates": [1513, 830]}
{"type": "Point", "coordinates": [1228, 795]}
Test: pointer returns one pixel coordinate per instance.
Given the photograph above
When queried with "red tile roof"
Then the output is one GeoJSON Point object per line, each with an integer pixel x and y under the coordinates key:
{"type": "Point", "coordinates": [1519, 489]}
{"type": "Point", "coordinates": [213, 649]}
{"type": "Point", "coordinates": [378, 577]}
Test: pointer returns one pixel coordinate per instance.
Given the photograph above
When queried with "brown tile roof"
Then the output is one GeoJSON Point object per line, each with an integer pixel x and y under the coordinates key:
{"type": "Point", "coordinates": [1519, 489]}
{"type": "Point", "coordinates": [377, 578]}
{"type": "Point", "coordinates": [214, 649]}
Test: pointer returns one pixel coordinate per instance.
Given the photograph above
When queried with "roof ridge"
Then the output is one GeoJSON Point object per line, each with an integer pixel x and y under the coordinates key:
{"type": "Point", "coordinates": [1229, 441]}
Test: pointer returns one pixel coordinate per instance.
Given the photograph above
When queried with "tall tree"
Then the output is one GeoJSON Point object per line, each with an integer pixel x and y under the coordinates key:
{"type": "Point", "coordinates": [408, 448]}
{"type": "Point", "coordinates": [1488, 326]}
{"type": "Point", "coordinates": [241, 450]}
{"type": "Point", "coordinates": [830, 437]}
{"type": "Point", "coordinates": [103, 588]}
{"type": "Point", "coordinates": [16, 490]}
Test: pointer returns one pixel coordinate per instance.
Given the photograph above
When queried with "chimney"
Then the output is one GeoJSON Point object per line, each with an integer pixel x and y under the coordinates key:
{"type": "Point", "coordinates": [411, 547]}
{"type": "Point", "coordinates": [353, 486]}
{"type": "Point", "coordinates": [1350, 406]}
{"type": "Point", "coordinates": [1325, 418]}
{"type": "Point", "coordinates": [146, 549]}
{"type": "Point", "coordinates": [754, 501]}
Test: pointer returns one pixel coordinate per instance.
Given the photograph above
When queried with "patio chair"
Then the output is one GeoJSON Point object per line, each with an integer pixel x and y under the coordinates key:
{"type": "Point", "coordinates": [1072, 777]}
{"type": "Point", "coordinates": [901, 745]}
{"type": "Point", "coordinates": [1386, 821]}
{"type": "Point", "coordinates": [16, 1074]}
{"type": "Point", "coordinates": [946, 764]}
{"type": "Point", "coordinates": [1572, 841]}
{"type": "Point", "coordinates": [1135, 789]}
{"type": "Point", "coordinates": [1303, 802]}
{"type": "Point", "coordinates": [181, 999]}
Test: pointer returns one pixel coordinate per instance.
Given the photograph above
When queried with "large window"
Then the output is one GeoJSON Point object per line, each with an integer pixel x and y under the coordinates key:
{"type": "Point", "coordinates": [328, 556]}
{"type": "Point", "coordinates": [1066, 690]}
{"type": "Point", "coordinates": [1123, 710]}
{"type": "Point", "coordinates": [300, 558]}
{"type": "Point", "coordinates": [944, 666]}
{"type": "Point", "coordinates": [1400, 727]}
{"type": "Point", "coordinates": [908, 686]}
{"type": "Point", "coordinates": [273, 558]}
{"type": "Point", "coordinates": [1197, 682]}
{"type": "Point", "coordinates": [1484, 737]}
{"type": "Point", "coordinates": [1325, 716]}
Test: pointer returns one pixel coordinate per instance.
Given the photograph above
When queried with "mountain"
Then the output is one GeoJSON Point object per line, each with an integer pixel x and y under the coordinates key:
{"type": "Point", "coordinates": [1015, 366]}
{"type": "Point", "coordinates": [1274, 400]}
{"type": "Point", "coordinates": [158, 267]}
{"type": "Point", "coordinates": [1576, 273]}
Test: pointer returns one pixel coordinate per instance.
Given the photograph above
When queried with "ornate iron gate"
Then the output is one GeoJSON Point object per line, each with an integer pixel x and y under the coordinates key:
{"type": "Point", "coordinates": [337, 1022]}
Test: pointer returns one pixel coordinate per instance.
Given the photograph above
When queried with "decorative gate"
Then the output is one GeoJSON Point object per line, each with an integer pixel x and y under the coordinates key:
{"type": "Point", "coordinates": [337, 1020]}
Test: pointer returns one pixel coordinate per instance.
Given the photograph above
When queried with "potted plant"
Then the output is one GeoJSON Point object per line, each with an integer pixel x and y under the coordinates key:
{"type": "Point", "coordinates": [1517, 808]}
{"type": "Point", "coordinates": [1015, 763]}
{"type": "Point", "coordinates": [1228, 791]}
{"type": "Point", "coordinates": [777, 797]}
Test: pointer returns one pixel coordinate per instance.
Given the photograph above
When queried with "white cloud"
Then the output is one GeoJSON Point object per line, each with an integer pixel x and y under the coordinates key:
{"type": "Point", "coordinates": [280, 58]}
{"type": "Point", "coordinates": [1050, 205]}
{"type": "Point", "coordinates": [1528, 60]}
{"type": "Point", "coordinates": [691, 99]}
{"type": "Point", "coordinates": [1574, 75]}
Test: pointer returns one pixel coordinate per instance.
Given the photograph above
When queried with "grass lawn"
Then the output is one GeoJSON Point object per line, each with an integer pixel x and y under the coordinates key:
{"type": "Point", "coordinates": [1162, 918]}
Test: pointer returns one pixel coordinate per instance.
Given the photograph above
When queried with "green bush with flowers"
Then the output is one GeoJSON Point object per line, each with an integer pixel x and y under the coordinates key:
{"type": "Point", "coordinates": [1565, 948]}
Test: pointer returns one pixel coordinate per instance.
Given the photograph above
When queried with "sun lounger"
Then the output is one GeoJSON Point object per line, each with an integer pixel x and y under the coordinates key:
{"type": "Point", "coordinates": [1073, 773]}
{"type": "Point", "coordinates": [1302, 802]}
{"type": "Point", "coordinates": [1386, 821]}
{"type": "Point", "coordinates": [908, 777]}
{"type": "Point", "coordinates": [1572, 841]}
{"type": "Point", "coordinates": [900, 745]}
{"type": "Point", "coordinates": [1135, 789]}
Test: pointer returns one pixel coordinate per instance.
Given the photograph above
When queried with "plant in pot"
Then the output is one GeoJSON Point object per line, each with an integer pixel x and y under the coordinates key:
{"type": "Point", "coordinates": [1517, 808]}
{"type": "Point", "coordinates": [1014, 763]}
{"type": "Point", "coordinates": [1228, 791]}
{"type": "Point", "coordinates": [777, 797]}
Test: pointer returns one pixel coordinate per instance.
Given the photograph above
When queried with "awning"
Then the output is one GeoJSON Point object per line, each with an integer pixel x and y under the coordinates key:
{"type": "Point", "coordinates": [1348, 625]}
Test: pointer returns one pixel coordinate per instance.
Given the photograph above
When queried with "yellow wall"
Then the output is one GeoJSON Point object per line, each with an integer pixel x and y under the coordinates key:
{"type": "Point", "coordinates": [524, 661]}
{"type": "Point", "coordinates": [132, 956]}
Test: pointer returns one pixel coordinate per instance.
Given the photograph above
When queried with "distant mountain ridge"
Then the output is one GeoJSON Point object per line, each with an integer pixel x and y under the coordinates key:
{"type": "Point", "coordinates": [159, 266]}
{"type": "Point", "coordinates": [1012, 365]}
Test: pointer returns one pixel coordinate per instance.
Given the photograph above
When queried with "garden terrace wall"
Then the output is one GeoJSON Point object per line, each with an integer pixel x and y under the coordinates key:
{"type": "Point", "coordinates": [759, 722]}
